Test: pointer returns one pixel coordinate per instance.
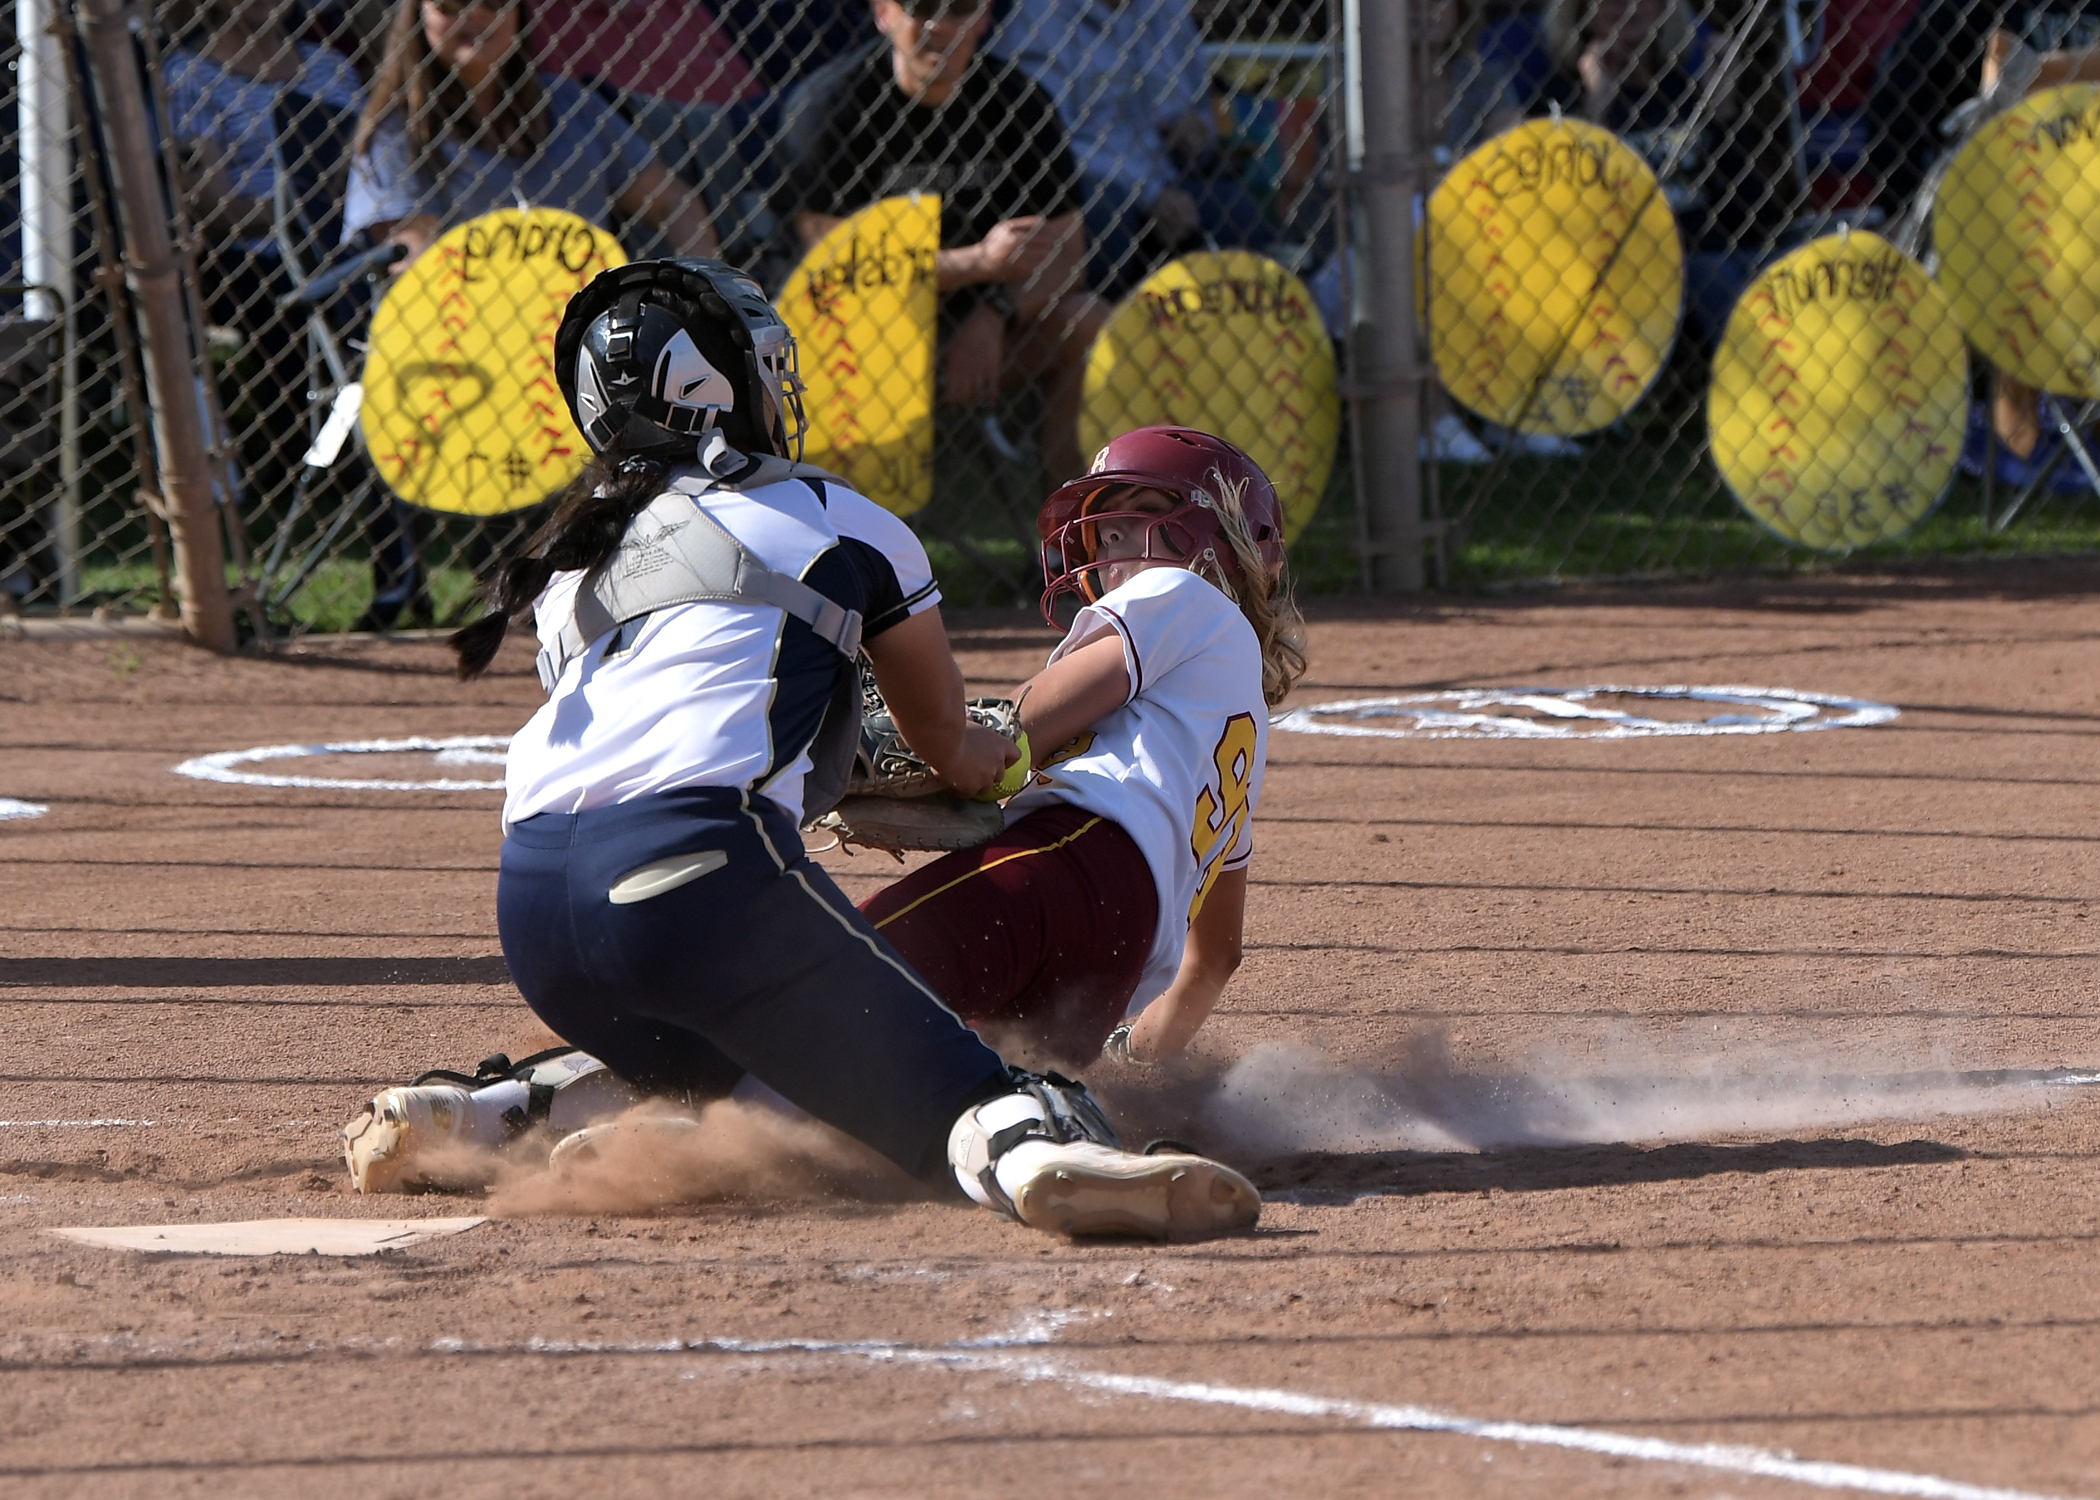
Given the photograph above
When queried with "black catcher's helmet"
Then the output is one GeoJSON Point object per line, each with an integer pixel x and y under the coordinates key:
{"type": "Point", "coordinates": [660, 357]}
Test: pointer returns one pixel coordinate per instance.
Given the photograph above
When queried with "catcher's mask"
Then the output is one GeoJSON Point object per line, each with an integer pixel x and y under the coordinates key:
{"type": "Point", "coordinates": [681, 360]}
{"type": "Point", "coordinates": [1095, 520]}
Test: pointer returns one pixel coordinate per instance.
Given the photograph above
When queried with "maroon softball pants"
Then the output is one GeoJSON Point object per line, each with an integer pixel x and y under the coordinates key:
{"type": "Point", "coordinates": [1038, 937]}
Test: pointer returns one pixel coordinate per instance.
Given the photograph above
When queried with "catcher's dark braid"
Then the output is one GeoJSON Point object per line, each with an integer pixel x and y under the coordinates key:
{"type": "Point", "coordinates": [583, 532]}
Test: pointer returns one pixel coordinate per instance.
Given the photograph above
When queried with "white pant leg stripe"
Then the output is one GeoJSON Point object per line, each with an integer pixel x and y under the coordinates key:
{"type": "Point", "coordinates": [874, 947]}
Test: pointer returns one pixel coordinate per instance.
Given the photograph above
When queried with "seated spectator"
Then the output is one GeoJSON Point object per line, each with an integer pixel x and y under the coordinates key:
{"type": "Point", "coordinates": [231, 65]}
{"type": "Point", "coordinates": [927, 114]}
{"type": "Point", "coordinates": [1130, 85]}
{"type": "Point", "coordinates": [236, 74]}
{"type": "Point", "coordinates": [459, 125]}
{"type": "Point", "coordinates": [1638, 68]}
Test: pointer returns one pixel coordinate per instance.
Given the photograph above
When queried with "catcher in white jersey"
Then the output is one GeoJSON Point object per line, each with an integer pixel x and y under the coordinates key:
{"type": "Point", "coordinates": [1120, 880]}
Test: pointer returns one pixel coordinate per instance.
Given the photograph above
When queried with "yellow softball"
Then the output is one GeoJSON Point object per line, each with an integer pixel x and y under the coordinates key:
{"type": "Point", "coordinates": [1838, 395]}
{"type": "Point", "coordinates": [1013, 778]}
{"type": "Point", "coordinates": [1555, 278]}
{"type": "Point", "coordinates": [2017, 227]}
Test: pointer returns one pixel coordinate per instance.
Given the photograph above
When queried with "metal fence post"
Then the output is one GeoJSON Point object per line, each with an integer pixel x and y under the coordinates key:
{"type": "Point", "coordinates": [43, 140]}
{"type": "Point", "coordinates": [1385, 402]}
{"type": "Point", "coordinates": [153, 271]}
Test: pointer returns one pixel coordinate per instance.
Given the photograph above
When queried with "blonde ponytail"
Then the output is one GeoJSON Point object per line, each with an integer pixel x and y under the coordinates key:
{"type": "Point", "coordinates": [1266, 602]}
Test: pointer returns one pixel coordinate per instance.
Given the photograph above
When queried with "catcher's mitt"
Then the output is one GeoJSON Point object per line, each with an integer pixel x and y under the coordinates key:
{"type": "Point", "coordinates": [894, 800]}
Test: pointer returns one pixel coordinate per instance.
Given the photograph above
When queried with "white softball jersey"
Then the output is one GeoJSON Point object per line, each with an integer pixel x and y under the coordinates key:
{"type": "Point", "coordinates": [1180, 764]}
{"type": "Point", "coordinates": [725, 695]}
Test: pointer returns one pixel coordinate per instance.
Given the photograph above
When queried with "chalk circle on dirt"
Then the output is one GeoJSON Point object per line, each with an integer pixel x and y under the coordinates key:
{"type": "Point", "coordinates": [12, 808]}
{"type": "Point", "coordinates": [1585, 713]}
{"type": "Point", "coordinates": [453, 750]}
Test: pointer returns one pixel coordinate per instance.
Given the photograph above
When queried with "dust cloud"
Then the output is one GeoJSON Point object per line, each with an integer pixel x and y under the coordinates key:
{"type": "Point", "coordinates": [1282, 1099]}
{"type": "Point", "coordinates": [733, 1150]}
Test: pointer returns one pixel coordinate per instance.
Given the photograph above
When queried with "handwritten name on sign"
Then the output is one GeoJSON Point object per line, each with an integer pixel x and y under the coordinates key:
{"type": "Point", "coordinates": [1520, 164]}
{"type": "Point", "coordinates": [2017, 227]}
{"type": "Point", "coordinates": [1230, 343]}
{"type": "Point", "coordinates": [1205, 306]}
{"type": "Point", "coordinates": [462, 410]}
{"type": "Point", "coordinates": [1838, 394]}
{"type": "Point", "coordinates": [1555, 278]}
{"type": "Point", "coordinates": [862, 306]}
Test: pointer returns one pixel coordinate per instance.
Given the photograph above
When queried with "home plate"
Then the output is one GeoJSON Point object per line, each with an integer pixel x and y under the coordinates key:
{"type": "Point", "coordinates": [273, 1236]}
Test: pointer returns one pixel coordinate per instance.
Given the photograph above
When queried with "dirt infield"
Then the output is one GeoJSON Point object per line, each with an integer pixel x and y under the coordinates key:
{"type": "Point", "coordinates": [1753, 1029]}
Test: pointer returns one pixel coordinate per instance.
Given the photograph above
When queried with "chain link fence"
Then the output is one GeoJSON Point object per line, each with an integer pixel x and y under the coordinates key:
{"type": "Point", "coordinates": [1762, 321]}
{"type": "Point", "coordinates": [386, 205]}
{"type": "Point", "coordinates": [1684, 303]}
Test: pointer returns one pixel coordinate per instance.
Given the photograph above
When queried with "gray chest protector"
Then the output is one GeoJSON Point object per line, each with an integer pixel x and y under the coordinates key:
{"type": "Point", "coordinates": [674, 552]}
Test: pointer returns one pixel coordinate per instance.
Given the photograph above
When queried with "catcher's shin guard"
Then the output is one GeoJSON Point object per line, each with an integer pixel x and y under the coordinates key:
{"type": "Point", "coordinates": [444, 1130]}
{"type": "Point", "coordinates": [1047, 1156]}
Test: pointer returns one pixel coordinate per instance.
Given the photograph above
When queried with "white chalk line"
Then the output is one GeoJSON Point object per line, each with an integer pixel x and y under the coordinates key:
{"type": "Point", "coordinates": [74, 1124]}
{"type": "Point", "coordinates": [1568, 714]}
{"type": "Point", "coordinates": [458, 749]}
{"type": "Point", "coordinates": [987, 1355]}
{"type": "Point", "coordinates": [11, 807]}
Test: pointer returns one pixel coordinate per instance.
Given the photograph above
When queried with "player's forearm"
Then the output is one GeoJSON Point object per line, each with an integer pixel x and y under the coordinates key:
{"type": "Point", "coordinates": [1209, 959]}
{"type": "Point", "coordinates": [1166, 1026]}
{"type": "Point", "coordinates": [922, 686]}
{"type": "Point", "coordinates": [1074, 693]}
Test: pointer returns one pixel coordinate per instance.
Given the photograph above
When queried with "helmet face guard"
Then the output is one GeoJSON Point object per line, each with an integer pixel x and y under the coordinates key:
{"type": "Point", "coordinates": [1206, 476]}
{"type": "Point", "coordinates": [651, 356]}
{"type": "Point", "coordinates": [1073, 522]}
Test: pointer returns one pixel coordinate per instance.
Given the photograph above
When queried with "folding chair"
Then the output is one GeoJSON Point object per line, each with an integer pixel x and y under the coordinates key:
{"type": "Point", "coordinates": [335, 285]}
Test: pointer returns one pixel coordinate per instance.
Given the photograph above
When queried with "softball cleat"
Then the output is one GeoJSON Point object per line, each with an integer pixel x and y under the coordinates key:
{"type": "Point", "coordinates": [414, 1138]}
{"type": "Point", "coordinates": [1047, 1155]}
{"type": "Point", "coordinates": [641, 1133]}
{"type": "Point", "coordinates": [1084, 1189]}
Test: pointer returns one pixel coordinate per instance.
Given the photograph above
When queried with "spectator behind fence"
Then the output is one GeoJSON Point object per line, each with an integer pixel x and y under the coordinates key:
{"type": "Point", "coordinates": [1131, 86]}
{"type": "Point", "coordinates": [1640, 69]}
{"type": "Point", "coordinates": [927, 114]}
{"type": "Point", "coordinates": [459, 124]}
{"type": "Point", "coordinates": [232, 64]}
{"type": "Point", "coordinates": [235, 73]}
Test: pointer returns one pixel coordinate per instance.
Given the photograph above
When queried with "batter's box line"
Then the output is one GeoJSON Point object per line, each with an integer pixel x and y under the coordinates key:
{"type": "Point", "coordinates": [989, 1356]}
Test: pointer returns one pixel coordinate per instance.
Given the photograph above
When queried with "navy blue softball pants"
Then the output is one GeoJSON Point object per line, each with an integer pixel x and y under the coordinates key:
{"type": "Point", "coordinates": [761, 965]}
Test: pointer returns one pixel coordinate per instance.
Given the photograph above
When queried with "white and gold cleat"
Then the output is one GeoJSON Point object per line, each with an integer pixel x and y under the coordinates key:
{"type": "Point", "coordinates": [643, 1134]}
{"type": "Point", "coordinates": [1047, 1156]}
{"type": "Point", "coordinates": [416, 1137]}
{"type": "Point", "coordinates": [1080, 1188]}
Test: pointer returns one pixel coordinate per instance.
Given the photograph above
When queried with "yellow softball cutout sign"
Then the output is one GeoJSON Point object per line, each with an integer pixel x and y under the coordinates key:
{"type": "Point", "coordinates": [461, 411]}
{"type": "Point", "coordinates": [2017, 227]}
{"type": "Point", "coordinates": [862, 305]}
{"type": "Point", "coordinates": [1839, 393]}
{"type": "Point", "coordinates": [1231, 343]}
{"type": "Point", "coordinates": [1556, 278]}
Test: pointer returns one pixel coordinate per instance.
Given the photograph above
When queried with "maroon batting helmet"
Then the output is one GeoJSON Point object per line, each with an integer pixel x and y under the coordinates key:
{"type": "Point", "coordinates": [1193, 466]}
